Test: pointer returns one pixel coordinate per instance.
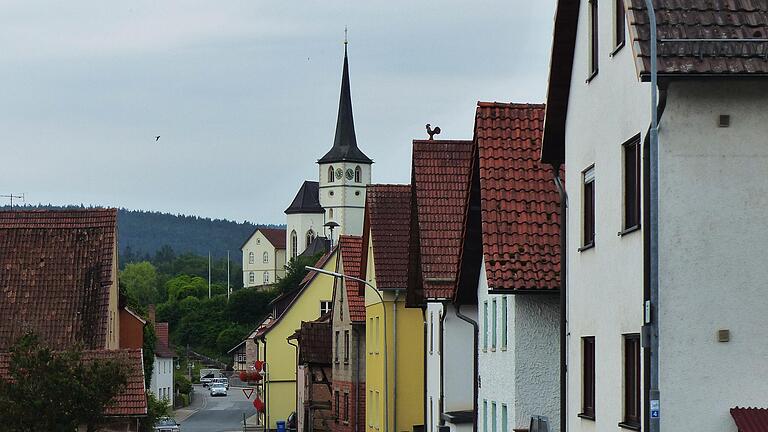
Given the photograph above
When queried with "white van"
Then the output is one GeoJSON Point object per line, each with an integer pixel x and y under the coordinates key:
{"type": "Point", "coordinates": [221, 381]}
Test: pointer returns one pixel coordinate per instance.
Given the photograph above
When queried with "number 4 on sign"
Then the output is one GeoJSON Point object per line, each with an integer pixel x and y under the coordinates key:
{"type": "Point", "coordinates": [248, 392]}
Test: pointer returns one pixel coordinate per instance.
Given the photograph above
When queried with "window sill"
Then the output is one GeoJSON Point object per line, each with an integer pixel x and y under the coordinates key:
{"type": "Point", "coordinates": [629, 230]}
{"type": "Point", "coordinates": [617, 49]}
{"type": "Point", "coordinates": [346, 362]}
{"type": "Point", "coordinates": [504, 348]}
{"type": "Point", "coordinates": [586, 416]}
{"type": "Point", "coordinates": [587, 246]}
{"type": "Point", "coordinates": [592, 76]}
{"type": "Point", "coordinates": [493, 349]}
{"type": "Point", "coordinates": [630, 426]}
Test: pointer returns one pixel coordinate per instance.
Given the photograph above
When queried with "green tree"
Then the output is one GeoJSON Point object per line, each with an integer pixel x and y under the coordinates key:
{"type": "Point", "coordinates": [148, 352]}
{"type": "Point", "coordinates": [183, 286]}
{"type": "Point", "coordinates": [249, 305]}
{"type": "Point", "coordinates": [229, 337]}
{"type": "Point", "coordinates": [156, 408]}
{"type": "Point", "coordinates": [140, 282]}
{"type": "Point", "coordinates": [294, 272]}
{"type": "Point", "coordinates": [49, 390]}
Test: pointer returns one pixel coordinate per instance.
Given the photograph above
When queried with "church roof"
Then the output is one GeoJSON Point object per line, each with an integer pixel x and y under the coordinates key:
{"type": "Point", "coordinates": [345, 143]}
{"type": "Point", "coordinates": [307, 199]}
{"type": "Point", "coordinates": [319, 245]}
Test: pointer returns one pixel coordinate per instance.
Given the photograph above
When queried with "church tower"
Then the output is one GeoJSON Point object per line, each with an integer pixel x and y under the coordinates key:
{"type": "Point", "coordinates": [345, 170]}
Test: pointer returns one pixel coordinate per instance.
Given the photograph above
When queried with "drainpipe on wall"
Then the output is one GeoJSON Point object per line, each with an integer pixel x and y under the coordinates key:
{"type": "Point", "coordinates": [394, 358]}
{"type": "Point", "coordinates": [441, 353]}
{"type": "Point", "coordinates": [475, 338]}
{"type": "Point", "coordinates": [563, 296]}
{"type": "Point", "coordinates": [296, 378]}
{"type": "Point", "coordinates": [424, 363]}
{"type": "Point", "coordinates": [357, 378]}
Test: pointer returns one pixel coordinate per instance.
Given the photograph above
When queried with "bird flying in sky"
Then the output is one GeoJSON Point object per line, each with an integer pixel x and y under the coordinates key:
{"type": "Point", "coordinates": [157, 138]}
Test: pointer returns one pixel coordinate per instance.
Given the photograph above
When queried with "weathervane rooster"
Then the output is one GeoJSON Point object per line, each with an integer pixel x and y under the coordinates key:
{"type": "Point", "coordinates": [432, 132]}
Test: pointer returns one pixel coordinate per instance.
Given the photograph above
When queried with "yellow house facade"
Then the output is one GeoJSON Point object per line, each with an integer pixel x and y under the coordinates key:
{"type": "Point", "coordinates": [394, 333]}
{"type": "Point", "coordinates": [312, 299]}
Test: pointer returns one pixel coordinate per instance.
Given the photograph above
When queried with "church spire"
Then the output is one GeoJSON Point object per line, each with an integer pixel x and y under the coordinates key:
{"type": "Point", "coordinates": [345, 143]}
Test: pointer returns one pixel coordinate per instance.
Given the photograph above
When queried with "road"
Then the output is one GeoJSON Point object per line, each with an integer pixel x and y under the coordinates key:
{"type": "Point", "coordinates": [218, 414]}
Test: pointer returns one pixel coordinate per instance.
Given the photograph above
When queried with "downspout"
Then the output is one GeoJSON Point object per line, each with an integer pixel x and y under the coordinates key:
{"type": "Point", "coordinates": [441, 353]}
{"type": "Point", "coordinates": [296, 378]}
{"type": "Point", "coordinates": [652, 315]}
{"type": "Point", "coordinates": [357, 378]}
{"type": "Point", "coordinates": [424, 364]}
{"type": "Point", "coordinates": [394, 358]}
{"type": "Point", "coordinates": [563, 296]}
{"type": "Point", "coordinates": [476, 332]}
{"type": "Point", "coordinates": [266, 385]}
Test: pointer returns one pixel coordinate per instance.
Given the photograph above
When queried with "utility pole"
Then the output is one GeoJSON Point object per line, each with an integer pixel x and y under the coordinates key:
{"type": "Point", "coordinates": [209, 274]}
{"type": "Point", "coordinates": [228, 291]}
{"type": "Point", "coordinates": [12, 196]}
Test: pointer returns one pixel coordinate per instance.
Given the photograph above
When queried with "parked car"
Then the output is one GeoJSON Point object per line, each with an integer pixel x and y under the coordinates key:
{"type": "Point", "coordinates": [167, 424]}
{"type": "Point", "coordinates": [218, 390]}
{"type": "Point", "coordinates": [222, 381]}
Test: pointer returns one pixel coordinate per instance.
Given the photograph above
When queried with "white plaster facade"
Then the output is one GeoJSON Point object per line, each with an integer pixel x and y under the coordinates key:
{"type": "Point", "coordinates": [161, 384]}
{"type": "Point", "coordinates": [712, 202]}
{"type": "Point", "coordinates": [521, 376]}
{"type": "Point", "coordinates": [450, 354]}
{"type": "Point", "coordinates": [263, 263]}
{"type": "Point", "coordinates": [301, 224]}
{"type": "Point", "coordinates": [344, 198]}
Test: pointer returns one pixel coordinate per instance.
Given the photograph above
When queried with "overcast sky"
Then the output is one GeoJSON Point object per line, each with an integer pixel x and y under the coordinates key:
{"type": "Point", "coordinates": [244, 94]}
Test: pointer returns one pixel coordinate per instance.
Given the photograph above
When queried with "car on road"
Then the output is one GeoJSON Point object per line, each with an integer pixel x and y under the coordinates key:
{"type": "Point", "coordinates": [167, 424]}
{"type": "Point", "coordinates": [220, 381]}
{"type": "Point", "coordinates": [218, 390]}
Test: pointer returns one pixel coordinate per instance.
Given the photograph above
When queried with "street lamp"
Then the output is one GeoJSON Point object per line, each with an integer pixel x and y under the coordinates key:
{"type": "Point", "coordinates": [386, 353]}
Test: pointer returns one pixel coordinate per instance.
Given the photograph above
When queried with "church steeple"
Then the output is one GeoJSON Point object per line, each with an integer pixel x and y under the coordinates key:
{"type": "Point", "coordinates": [345, 143]}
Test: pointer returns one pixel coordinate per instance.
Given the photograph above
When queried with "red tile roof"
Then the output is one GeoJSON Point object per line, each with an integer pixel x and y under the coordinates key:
{"type": "Point", "coordinates": [315, 344]}
{"type": "Point", "coordinates": [55, 275]}
{"type": "Point", "coordinates": [132, 401]}
{"type": "Point", "coordinates": [388, 213]}
{"type": "Point", "coordinates": [519, 201]}
{"type": "Point", "coordinates": [351, 257]}
{"type": "Point", "coordinates": [275, 236]}
{"type": "Point", "coordinates": [162, 346]}
{"type": "Point", "coordinates": [702, 19]}
{"type": "Point", "coordinates": [750, 419]}
{"type": "Point", "coordinates": [440, 179]}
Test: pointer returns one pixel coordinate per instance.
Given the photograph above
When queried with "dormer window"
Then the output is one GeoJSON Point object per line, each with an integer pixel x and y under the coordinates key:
{"type": "Point", "coordinates": [358, 174]}
{"type": "Point", "coordinates": [330, 174]}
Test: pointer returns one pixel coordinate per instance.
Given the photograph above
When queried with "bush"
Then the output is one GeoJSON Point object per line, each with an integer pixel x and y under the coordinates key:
{"type": "Point", "coordinates": [182, 384]}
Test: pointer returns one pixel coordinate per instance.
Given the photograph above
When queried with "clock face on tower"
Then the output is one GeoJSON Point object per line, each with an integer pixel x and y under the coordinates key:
{"type": "Point", "coordinates": [339, 173]}
{"type": "Point", "coordinates": [350, 174]}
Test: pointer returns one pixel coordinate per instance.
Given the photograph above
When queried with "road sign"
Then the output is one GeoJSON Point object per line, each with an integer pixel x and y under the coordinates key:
{"type": "Point", "coordinates": [248, 392]}
{"type": "Point", "coordinates": [655, 409]}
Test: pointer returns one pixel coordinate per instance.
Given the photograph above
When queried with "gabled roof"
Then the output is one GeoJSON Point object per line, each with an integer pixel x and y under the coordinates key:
{"type": "Point", "coordinates": [351, 256]}
{"type": "Point", "coordinates": [702, 37]}
{"type": "Point", "coordinates": [750, 419]}
{"type": "Point", "coordinates": [238, 346]}
{"type": "Point", "coordinates": [345, 142]}
{"type": "Point", "coordinates": [519, 203]}
{"type": "Point", "coordinates": [440, 179]}
{"type": "Point", "coordinates": [56, 275]}
{"type": "Point", "coordinates": [387, 228]}
{"type": "Point", "coordinates": [275, 236]}
{"type": "Point", "coordinates": [696, 38]}
{"type": "Point", "coordinates": [132, 401]}
{"type": "Point", "coordinates": [162, 346]}
{"type": "Point", "coordinates": [307, 200]}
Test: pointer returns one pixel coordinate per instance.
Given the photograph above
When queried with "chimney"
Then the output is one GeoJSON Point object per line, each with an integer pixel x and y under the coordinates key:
{"type": "Point", "coordinates": [151, 313]}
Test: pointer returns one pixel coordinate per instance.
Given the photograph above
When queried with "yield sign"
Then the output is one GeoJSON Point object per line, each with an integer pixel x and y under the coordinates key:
{"type": "Point", "coordinates": [248, 392]}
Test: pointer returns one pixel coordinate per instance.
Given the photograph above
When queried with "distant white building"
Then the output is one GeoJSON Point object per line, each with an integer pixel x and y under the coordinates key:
{"type": "Point", "coordinates": [713, 161]}
{"type": "Point", "coordinates": [263, 257]}
{"type": "Point", "coordinates": [161, 384]}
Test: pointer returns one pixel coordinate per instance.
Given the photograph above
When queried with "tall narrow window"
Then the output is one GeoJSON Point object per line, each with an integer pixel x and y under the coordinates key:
{"type": "Point", "coordinates": [265, 257]}
{"type": "Point", "coordinates": [493, 416]}
{"type": "Point", "coordinates": [619, 24]}
{"type": "Point", "coordinates": [369, 335]}
{"type": "Point", "coordinates": [378, 342]}
{"type": "Point", "coordinates": [431, 332]}
{"type": "Point", "coordinates": [632, 380]}
{"type": "Point", "coordinates": [336, 347]}
{"type": "Point", "coordinates": [378, 409]}
{"type": "Point", "coordinates": [310, 237]}
{"type": "Point", "coordinates": [504, 417]}
{"type": "Point", "coordinates": [493, 325]}
{"type": "Point", "coordinates": [330, 174]}
{"type": "Point", "coordinates": [588, 377]}
{"type": "Point", "coordinates": [485, 325]}
{"type": "Point", "coordinates": [346, 346]}
{"type": "Point", "coordinates": [251, 277]}
{"type": "Point", "coordinates": [593, 39]}
{"type": "Point", "coordinates": [251, 258]}
{"type": "Point", "coordinates": [504, 323]}
{"type": "Point", "coordinates": [346, 407]}
{"type": "Point", "coordinates": [266, 278]}
{"type": "Point", "coordinates": [632, 183]}
{"type": "Point", "coordinates": [588, 211]}
{"type": "Point", "coordinates": [294, 244]}
{"type": "Point", "coordinates": [485, 416]}
{"type": "Point", "coordinates": [358, 174]}
{"type": "Point", "coordinates": [330, 214]}
{"type": "Point", "coordinates": [336, 405]}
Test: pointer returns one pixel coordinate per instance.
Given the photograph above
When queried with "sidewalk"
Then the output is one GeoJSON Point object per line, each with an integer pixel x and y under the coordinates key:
{"type": "Point", "coordinates": [198, 402]}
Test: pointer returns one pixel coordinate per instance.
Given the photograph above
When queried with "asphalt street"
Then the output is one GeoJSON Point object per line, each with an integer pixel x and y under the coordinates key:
{"type": "Point", "coordinates": [218, 414]}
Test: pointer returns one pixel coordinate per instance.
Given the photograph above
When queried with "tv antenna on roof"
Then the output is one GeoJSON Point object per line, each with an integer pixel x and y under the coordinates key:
{"type": "Point", "coordinates": [12, 196]}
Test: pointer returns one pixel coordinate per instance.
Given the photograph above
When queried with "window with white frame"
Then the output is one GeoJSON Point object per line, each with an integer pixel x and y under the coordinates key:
{"type": "Point", "coordinates": [251, 277]}
{"type": "Point", "coordinates": [266, 277]}
{"type": "Point", "coordinates": [251, 258]}
{"type": "Point", "coordinates": [504, 323]}
{"type": "Point", "coordinates": [294, 244]}
{"type": "Point", "coordinates": [493, 325]}
{"type": "Point", "coordinates": [485, 325]}
{"type": "Point", "coordinates": [325, 306]}
{"type": "Point", "coordinates": [265, 257]}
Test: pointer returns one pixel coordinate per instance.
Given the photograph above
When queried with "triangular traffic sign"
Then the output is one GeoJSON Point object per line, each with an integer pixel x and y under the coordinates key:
{"type": "Point", "coordinates": [248, 392]}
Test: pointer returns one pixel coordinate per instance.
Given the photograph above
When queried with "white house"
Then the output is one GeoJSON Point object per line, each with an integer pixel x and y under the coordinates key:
{"type": "Point", "coordinates": [510, 268]}
{"type": "Point", "coordinates": [712, 200]}
{"type": "Point", "coordinates": [440, 179]}
{"type": "Point", "coordinates": [161, 384]}
{"type": "Point", "coordinates": [263, 257]}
